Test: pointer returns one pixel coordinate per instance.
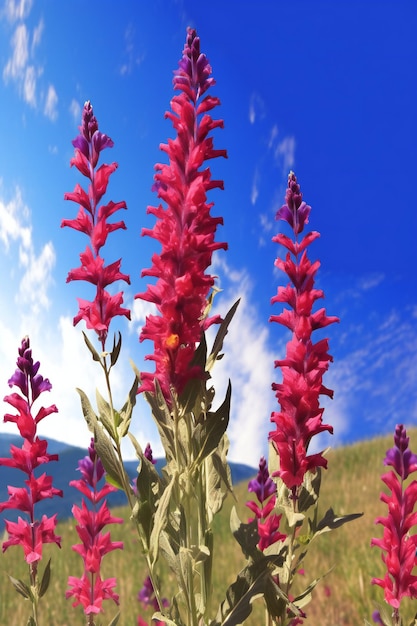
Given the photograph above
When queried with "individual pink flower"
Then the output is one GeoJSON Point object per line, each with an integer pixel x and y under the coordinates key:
{"type": "Point", "coordinates": [90, 590]}
{"type": "Point", "coordinates": [29, 532]}
{"type": "Point", "coordinates": [92, 220]}
{"type": "Point", "coordinates": [305, 362]}
{"type": "Point", "coordinates": [184, 228]}
{"type": "Point", "coordinates": [399, 540]}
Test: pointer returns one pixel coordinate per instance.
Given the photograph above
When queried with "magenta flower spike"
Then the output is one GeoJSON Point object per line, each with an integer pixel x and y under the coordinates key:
{"type": "Point", "coordinates": [305, 362]}
{"type": "Point", "coordinates": [92, 220]}
{"type": "Point", "coordinates": [91, 590]}
{"type": "Point", "coordinates": [185, 229]}
{"type": "Point", "coordinates": [268, 522]}
{"type": "Point", "coordinates": [399, 540]}
{"type": "Point", "coordinates": [30, 533]}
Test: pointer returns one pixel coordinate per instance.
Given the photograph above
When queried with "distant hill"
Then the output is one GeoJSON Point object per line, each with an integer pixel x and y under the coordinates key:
{"type": "Point", "coordinates": [65, 470]}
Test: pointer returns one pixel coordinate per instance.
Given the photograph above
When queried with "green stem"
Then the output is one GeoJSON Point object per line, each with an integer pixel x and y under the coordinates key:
{"type": "Point", "coordinates": [33, 571]}
{"type": "Point", "coordinates": [127, 488]}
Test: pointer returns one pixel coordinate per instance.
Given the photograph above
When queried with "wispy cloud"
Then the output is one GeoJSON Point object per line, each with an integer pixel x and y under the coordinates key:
{"type": "Point", "coordinates": [255, 186]}
{"type": "Point", "coordinates": [17, 9]}
{"type": "Point", "coordinates": [75, 110]}
{"type": "Point", "coordinates": [132, 58]}
{"type": "Point", "coordinates": [51, 103]}
{"type": "Point", "coordinates": [256, 108]}
{"type": "Point", "coordinates": [31, 271]}
{"type": "Point", "coordinates": [22, 67]}
{"type": "Point", "coordinates": [284, 153]}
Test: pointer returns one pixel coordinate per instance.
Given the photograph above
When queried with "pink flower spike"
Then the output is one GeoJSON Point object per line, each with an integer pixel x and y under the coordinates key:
{"type": "Point", "coordinates": [305, 362]}
{"type": "Point", "coordinates": [29, 533]}
{"type": "Point", "coordinates": [90, 590]}
{"type": "Point", "coordinates": [92, 220]}
{"type": "Point", "coordinates": [398, 543]}
{"type": "Point", "coordinates": [185, 229]}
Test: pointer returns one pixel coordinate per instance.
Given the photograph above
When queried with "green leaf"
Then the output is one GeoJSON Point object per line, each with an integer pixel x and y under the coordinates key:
{"type": "Point", "coordinates": [164, 618]}
{"type": "Point", "coordinates": [218, 476]}
{"type": "Point", "coordinates": [46, 577]}
{"type": "Point", "coordinates": [105, 414]}
{"type": "Point", "coordinates": [22, 588]}
{"type": "Point", "coordinates": [88, 412]}
{"type": "Point", "coordinates": [214, 427]}
{"type": "Point", "coordinates": [114, 354]}
{"type": "Point", "coordinates": [248, 586]}
{"type": "Point", "coordinates": [221, 334]}
{"type": "Point", "coordinates": [246, 535]}
{"type": "Point", "coordinates": [108, 457]}
{"type": "Point", "coordinates": [127, 409]}
{"type": "Point", "coordinates": [310, 490]}
{"type": "Point", "coordinates": [161, 414]}
{"type": "Point", "coordinates": [331, 521]}
{"type": "Point", "coordinates": [115, 619]}
{"type": "Point", "coordinates": [94, 353]}
{"type": "Point", "coordinates": [161, 518]}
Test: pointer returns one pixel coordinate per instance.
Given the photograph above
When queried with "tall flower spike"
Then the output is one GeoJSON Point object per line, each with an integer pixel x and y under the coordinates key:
{"type": "Point", "coordinates": [185, 229]}
{"type": "Point", "coordinates": [90, 590]}
{"type": "Point", "coordinates": [305, 362]}
{"type": "Point", "coordinates": [29, 532]}
{"type": "Point", "coordinates": [398, 544]}
{"type": "Point", "coordinates": [92, 220]}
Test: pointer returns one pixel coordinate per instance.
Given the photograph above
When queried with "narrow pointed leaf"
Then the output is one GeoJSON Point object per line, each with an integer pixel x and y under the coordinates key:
{"type": "Point", "coordinates": [46, 577]}
{"type": "Point", "coordinates": [114, 355]}
{"type": "Point", "coordinates": [331, 521]}
{"type": "Point", "coordinates": [21, 587]}
{"type": "Point", "coordinates": [221, 334]}
{"type": "Point", "coordinates": [94, 353]}
{"type": "Point", "coordinates": [115, 620]}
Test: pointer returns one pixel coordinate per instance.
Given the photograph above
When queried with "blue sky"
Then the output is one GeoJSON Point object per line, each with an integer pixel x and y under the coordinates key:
{"type": "Point", "coordinates": [328, 89]}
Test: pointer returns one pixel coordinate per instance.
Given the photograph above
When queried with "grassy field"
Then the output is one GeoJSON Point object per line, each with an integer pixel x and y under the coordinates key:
{"type": "Point", "coordinates": [345, 597]}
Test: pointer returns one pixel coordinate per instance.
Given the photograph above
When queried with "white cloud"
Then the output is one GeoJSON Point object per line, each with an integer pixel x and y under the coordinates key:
{"type": "Point", "coordinates": [15, 67]}
{"type": "Point", "coordinates": [75, 110]}
{"type": "Point", "coordinates": [256, 108]}
{"type": "Point", "coordinates": [29, 85]}
{"type": "Point", "coordinates": [22, 67]}
{"type": "Point", "coordinates": [17, 9]}
{"type": "Point", "coordinates": [285, 153]}
{"type": "Point", "coordinates": [13, 215]}
{"type": "Point", "coordinates": [249, 364]}
{"type": "Point", "coordinates": [51, 102]}
{"type": "Point", "coordinates": [37, 35]}
{"type": "Point", "coordinates": [34, 282]}
{"type": "Point", "coordinates": [255, 187]}
{"type": "Point", "coordinates": [132, 58]}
